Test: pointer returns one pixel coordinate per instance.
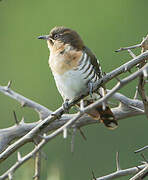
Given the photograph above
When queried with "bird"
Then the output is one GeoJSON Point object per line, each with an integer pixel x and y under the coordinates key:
{"type": "Point", "coordinates": [75, 68]}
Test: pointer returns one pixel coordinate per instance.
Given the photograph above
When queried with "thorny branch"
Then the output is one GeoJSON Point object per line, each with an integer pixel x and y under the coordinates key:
{"type": "Point", "coordinates": [58, 121]}
{"type": "Point", "coordinates": [139, 172]}
{"type": "Point", "coordinates": [37, 165]}
{"type": "Point", "coordinates": [124, 172]}
{"type": "Point", "coordinates": [141, 85]}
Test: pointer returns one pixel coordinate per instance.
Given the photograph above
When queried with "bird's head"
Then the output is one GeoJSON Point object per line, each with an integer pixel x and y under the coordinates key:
{"type": "Point", "coordinates": [60, 36]}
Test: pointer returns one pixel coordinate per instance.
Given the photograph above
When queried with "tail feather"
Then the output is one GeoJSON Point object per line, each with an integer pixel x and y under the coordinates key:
{"type": "Point", "coordinates": [105, 116]}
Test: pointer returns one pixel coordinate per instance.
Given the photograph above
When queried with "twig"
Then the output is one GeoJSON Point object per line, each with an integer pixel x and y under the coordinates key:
{"type": "Point", "coordinates": [121, 173]}
{"type": "Point", "coordinates": [37, 166]}
{"type": "Point", "coordinates": [140, 174]}
{"type": "Point", "coordinates": [93, 175]}
{"type": "Point", "coordinates": [10, 134]}
{"type": "Point", "coordinates": [131, 53]}
{"type": "Point", "coordinates": [145, 160]}
{"type": "Point", "coordinates": [9, 84]}
{"type": "Point", "coordinates": [124, 68]}
{"type": "Point", "coordinates": [130, 47]}
{"type": "Point", "coordinates": [42, 111]}
{"type": "Point", "coordinates": [141, 149]}
{"type": "Point", "coordinates": [144, 44]}
{"type": "Point", "coordinates": [116, 88]}
{"type": "Point", "coordinates": [136, 93]}
{"type": "Point", "coordinates": [142, 93]}
{"type": "Point", "coordinates": [15, 118]}
{"type": "Point", "coordinates": [58, 112]}
{"type": "Point", "coordinates": [117, 162]}
{"type": "Point", "coordinates": [40, 145]}
{"type": "Point", "coordinates": [82, 134]}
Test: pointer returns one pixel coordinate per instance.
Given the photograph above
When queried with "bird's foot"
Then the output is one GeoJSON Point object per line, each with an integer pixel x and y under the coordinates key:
{"type": "Point", "coordinates": [91, 86]}
{"type": "Point", "coordinates": [65, 105]}
{"type": "Point", "coordinates": [56, 115]}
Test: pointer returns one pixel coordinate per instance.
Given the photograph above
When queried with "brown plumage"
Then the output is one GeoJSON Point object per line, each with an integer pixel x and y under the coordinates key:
{"type": "Point", "coordinates": [74, 67]}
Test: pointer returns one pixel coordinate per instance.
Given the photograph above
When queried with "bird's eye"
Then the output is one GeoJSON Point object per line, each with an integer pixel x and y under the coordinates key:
{"type": "Point", "coordinates": [56, 36]}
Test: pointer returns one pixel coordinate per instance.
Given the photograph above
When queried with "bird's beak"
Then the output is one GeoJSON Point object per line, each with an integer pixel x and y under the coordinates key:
{"type": "Point", "coordinates": [45, 37]}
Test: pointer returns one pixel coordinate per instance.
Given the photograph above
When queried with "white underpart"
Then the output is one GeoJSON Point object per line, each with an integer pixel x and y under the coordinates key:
{"type": "Point", "coordinates": [72, 83]}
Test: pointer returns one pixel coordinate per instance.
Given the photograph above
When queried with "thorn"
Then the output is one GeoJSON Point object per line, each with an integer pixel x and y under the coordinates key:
{"type": "Point", "coordinates": [125, 68]}
{"type": "Point", "coordinates": [138, 168]}
{"type": "Point", "coordinates": [143, 162]}
{"type": "Point", "coordinates": [103, 106]}
{"type": "Point", "coordinates": [19, 156]}
{"type": "Point", "coordinates": [15, 118]}
{"type": "Point", "coordinates": [117, 161]}
{"type": "Point", "coordinates": [35, 176]}
{"type": "Point", "coordinates": [73, 139]}
{"type": "Point", "coordinates": [10, 176]}
{"type": "Point", "coordinates": [103, 103]}
{"type": "Point", "coordinates": [136, 93]}
{"type": "Point", "coordinates": [143, 39]}
{"type": "Point", "coordinates": [141, 149]}
{"type": "Point", "coordinates": [65, 133]}
{"type": "Point", "coordinates": [131, 53]}
{"type": "Point", "coordinates": [144, 157]}
{"type": "Point", "coordinates": [145, 73]}
{"type": "Point", "coordinates": [93, 175]}
{"type": "Point", "coordinates": [22, 121]}
{"type": "Point", "coordinates": [136, 108]}
{"type": "Point", "coordinates": [126, 48]}
{"type": "Point", "coordinates": [44, 136]}
{"type": "Point", "coordinates": [9, 84]}
{"type": "Point", "coordinates": [82, 134]}
{"type": "Point", "coordinates": [81, 105]}
{"type": "Point", "coordinates": [118, 50]}
{"type": "Point", "coordinates": [23, 104]}
{"type": "Point", "coordinates": [138, 66]}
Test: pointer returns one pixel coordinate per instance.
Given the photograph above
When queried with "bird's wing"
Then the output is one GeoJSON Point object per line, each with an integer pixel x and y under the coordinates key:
{"type": "Point", "coordinates": [94, 61]}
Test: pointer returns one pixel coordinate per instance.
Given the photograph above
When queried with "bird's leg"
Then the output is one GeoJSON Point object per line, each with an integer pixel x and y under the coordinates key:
{"type": "Point", "coordinates": [65, 105]}
{"type": "Point", "coordinates": [56, 116]}
{"type": "Point", "coordinates": [81, 105]}
{"type": "Point", "coordinates": [90, 86]}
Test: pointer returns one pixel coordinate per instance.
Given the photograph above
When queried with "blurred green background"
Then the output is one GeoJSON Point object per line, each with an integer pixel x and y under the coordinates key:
{"type": "Point", "coordinates": [104, 26]}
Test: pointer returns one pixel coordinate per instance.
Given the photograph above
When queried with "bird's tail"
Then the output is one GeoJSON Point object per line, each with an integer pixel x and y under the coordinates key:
{"type": "Point", "coordinates": [106, 116]}
{"type": "Point", "coordinates": [103, 114]}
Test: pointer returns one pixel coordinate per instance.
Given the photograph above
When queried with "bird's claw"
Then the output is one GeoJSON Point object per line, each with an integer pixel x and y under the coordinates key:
{"type": "Point", "coordinates": [65, 105]}
{"type": "Point", "coordinates": [90, 86]}
{"type": "Point", "coordinates": [56, 115]}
